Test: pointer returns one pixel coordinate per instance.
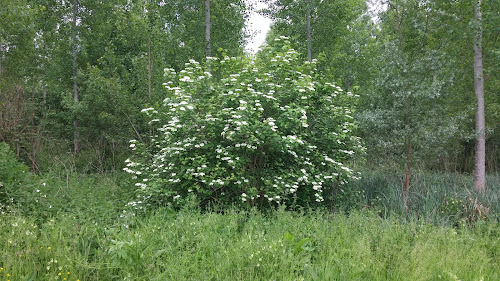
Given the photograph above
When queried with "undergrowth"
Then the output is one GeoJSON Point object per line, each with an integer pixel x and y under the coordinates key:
{"type": "Point", "coordinates": [437, 198]}
{"type": "Point", "coordinates": [61, 225]}
{"type": "Point", "coordinates": [246, 245]}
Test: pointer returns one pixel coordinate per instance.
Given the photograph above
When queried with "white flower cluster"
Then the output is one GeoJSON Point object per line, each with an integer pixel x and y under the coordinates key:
{"type": "Point", "coordinates": [257, 135]}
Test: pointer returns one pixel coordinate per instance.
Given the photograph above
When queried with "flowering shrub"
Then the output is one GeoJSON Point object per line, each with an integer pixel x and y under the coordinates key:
{"type": "Point", "coordinates": [255, 131]}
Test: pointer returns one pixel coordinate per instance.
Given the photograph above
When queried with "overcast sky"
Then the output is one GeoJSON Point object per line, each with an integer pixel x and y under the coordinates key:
{"type": "Point", "coordinates": [258, 26]}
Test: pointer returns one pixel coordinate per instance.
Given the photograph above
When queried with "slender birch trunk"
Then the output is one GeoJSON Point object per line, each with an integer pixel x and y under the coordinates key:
{"type": "Point", "coordinates": [207, 29]}
{"type": "Point", "coordinates": [150, 68]}
{"type": "Point", "coordinates": [309, 36]}
{"type": "Point", "coordinates": [480, 162]}
{"type": "Point", "coordinates": [76, 134]}
{"type": "Point", "coordinates": [1, 54]}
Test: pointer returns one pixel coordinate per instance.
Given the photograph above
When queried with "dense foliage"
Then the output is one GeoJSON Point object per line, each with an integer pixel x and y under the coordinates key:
{"type": "Point", "coordinates": [121, 48]}
{"type": "Point", "coordinates": [232, 142]}
{"type": "Point", "coordinates": [410, 63]}
{"type": "Point", "coordinates": [12, 177]}
{"type": "Point", "coordinates": [333, 25]}
{"type": "Point", "coordinates": [258, 131]}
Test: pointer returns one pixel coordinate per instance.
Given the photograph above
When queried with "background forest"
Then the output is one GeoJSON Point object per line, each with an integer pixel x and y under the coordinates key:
{"type": "Point", "coordinates": [99, 101]}
{"type": "Point", "coordinates": [74, 76]}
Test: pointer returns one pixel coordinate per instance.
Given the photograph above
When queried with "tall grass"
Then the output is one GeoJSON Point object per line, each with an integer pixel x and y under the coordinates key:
{"type": "Point", "coordinates": [247, 245]}
{"type": "Point", "coordinates": [93, 198]}
{"type": "Point", "coordinates": [438, 198]}
{"type": "Point", "coordinates": [75, 226]}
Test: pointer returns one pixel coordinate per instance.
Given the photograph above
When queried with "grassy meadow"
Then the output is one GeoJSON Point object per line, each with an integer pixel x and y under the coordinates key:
{"type": "Point", "coordinates": [76, 227]}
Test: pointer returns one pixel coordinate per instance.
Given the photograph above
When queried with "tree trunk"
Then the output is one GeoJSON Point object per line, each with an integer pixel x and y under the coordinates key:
{"type": "Point", "coordinates": [409, 104]}
{"type": "Point", "coordinates": [407, 174]}
{"type": "Point", "coordinates": [149, 68]}
{"type": "Point", "coordinates": [480, 163]}
{"type": "Point", "coordinates": [1, 54]}
{"type": "Point", "coordinates": [44, 94]}
{"type": "Point", "coordinates": [76, 135]}
{"type": "Point", "coordinates": [207, 28]}
{"type": "Point", "coordinates": [309, 36]}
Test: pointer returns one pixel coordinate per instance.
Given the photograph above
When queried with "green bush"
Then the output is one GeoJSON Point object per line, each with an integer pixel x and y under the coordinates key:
{"type": "Point", "coordinates": [12, 176]}
{"type": "Point", "coordinates": [261, 132]}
